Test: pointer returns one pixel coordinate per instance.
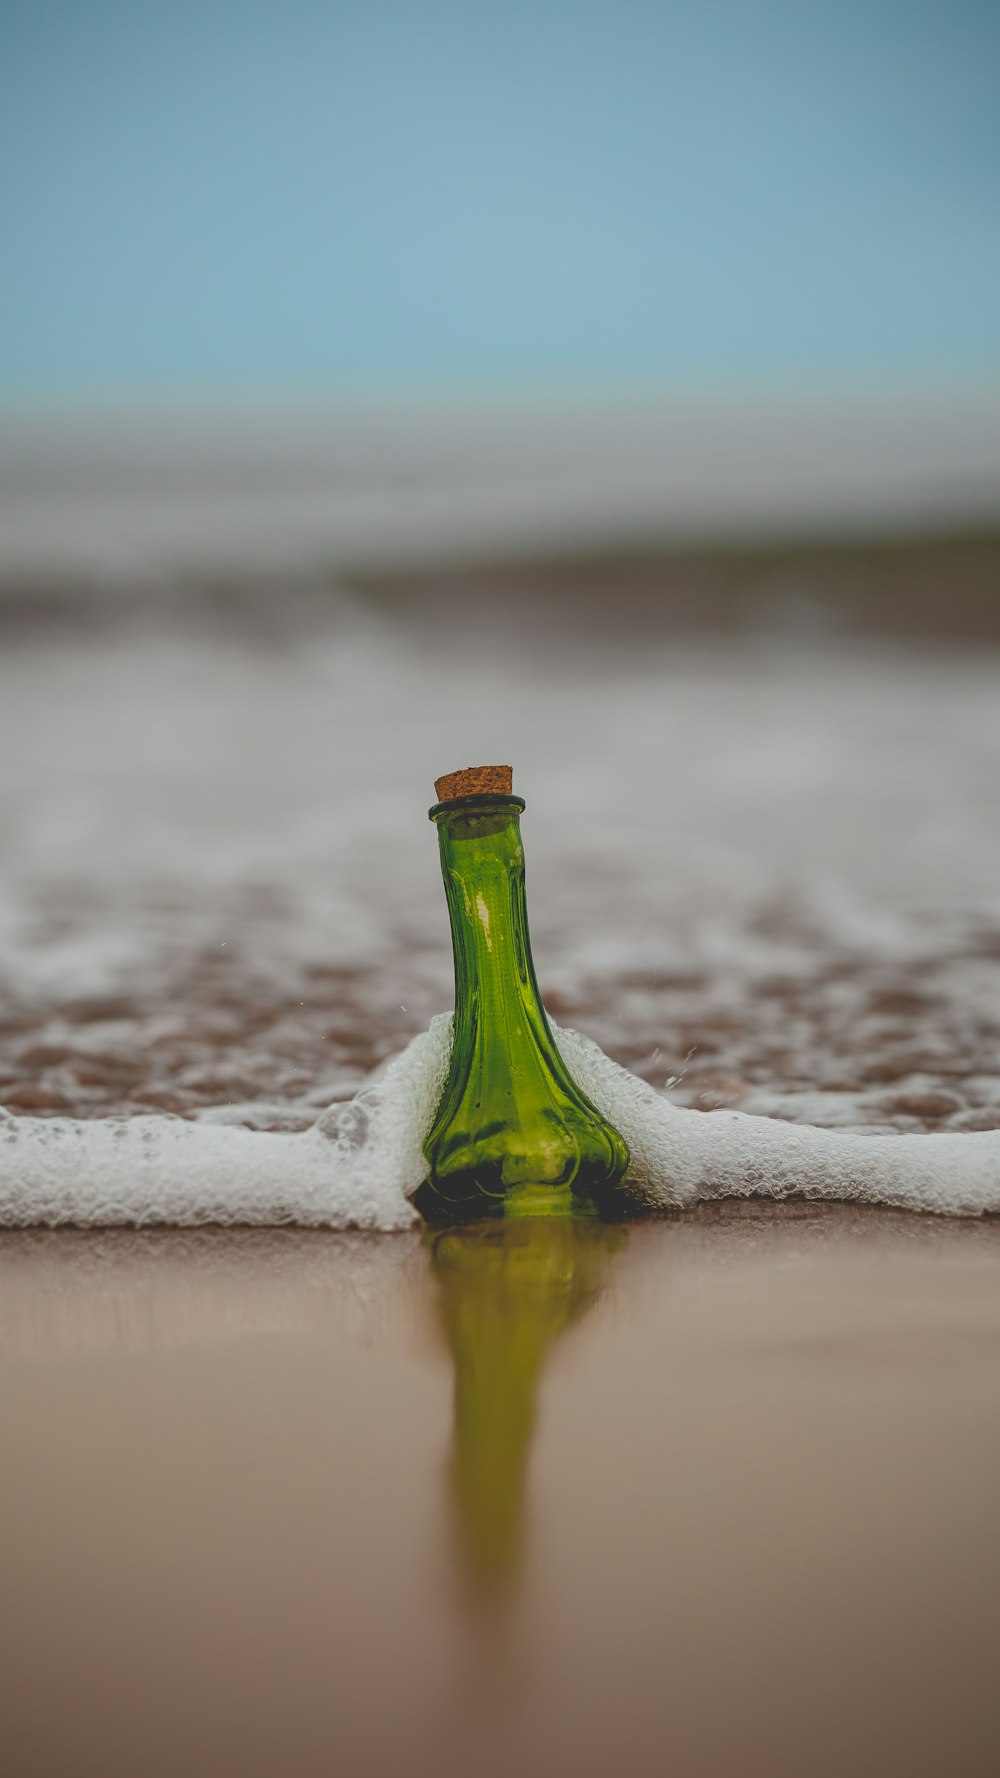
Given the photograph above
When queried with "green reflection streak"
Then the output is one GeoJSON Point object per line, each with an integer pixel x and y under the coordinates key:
{"type": "Point", "coordinates": [506, 1291]}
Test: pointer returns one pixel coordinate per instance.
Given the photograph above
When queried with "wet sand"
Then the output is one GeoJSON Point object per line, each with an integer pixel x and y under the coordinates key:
{"type": "Point", "coordinates": [707, 1495]}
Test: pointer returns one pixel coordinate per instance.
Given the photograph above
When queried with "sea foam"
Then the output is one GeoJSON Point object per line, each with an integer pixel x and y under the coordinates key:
{"type": "Point", "coordinates": [360, 1163]}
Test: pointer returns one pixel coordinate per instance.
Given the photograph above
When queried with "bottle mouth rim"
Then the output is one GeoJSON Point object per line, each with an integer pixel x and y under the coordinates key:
{"type": "Point", "coordinates": [484, 800]}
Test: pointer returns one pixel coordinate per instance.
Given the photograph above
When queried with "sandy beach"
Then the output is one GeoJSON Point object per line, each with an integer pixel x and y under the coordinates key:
{"type": "Point", "coordinates": [703, 1495]}
{"type": "Point", "coordinates": [748, 1470]}
{"type": "Point", "coordinates": [609, 396]}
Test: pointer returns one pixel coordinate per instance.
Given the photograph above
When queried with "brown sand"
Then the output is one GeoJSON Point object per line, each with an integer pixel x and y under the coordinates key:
{"type": "Point", "coordinates": [750, 1457]}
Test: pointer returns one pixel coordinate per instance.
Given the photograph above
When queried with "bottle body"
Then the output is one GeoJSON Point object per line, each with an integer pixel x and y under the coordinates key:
{"type": "Point", "coordinates": [513, 1133]}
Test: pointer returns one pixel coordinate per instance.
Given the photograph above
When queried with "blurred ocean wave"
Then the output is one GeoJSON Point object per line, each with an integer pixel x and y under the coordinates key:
{"type": "Point", "coordinates": [132, 494]}
{"type": "Point", "coordinates": [762, 872]}
{"type": "Point", "coordinates": [733, 651]}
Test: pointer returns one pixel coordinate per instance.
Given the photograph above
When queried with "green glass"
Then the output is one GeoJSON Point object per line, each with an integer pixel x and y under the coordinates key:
{"type": "Point", "coordinates": [513, 1133]}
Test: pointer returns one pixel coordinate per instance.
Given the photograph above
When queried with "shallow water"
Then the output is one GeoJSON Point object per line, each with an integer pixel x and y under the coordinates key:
{"type": "Point", "coordinates": [710, 1494]}
{"type": "Point", "coordinates": [763, 876]}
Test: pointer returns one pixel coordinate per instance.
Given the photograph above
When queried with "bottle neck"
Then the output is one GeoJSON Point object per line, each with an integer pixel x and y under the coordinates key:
{"type": "Point", "coordinates": [482, 862]}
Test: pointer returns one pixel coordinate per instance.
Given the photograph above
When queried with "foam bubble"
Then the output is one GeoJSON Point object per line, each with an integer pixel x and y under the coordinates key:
{"type": "Point", "coordinates": [355, 1168]}
{"type": "Point", "coordinates": [360, 1163]}
{"type": "Point", "coordinates": [680, 1157]}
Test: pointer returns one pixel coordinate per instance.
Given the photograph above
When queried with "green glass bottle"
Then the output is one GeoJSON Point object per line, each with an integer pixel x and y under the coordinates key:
{"type": "Point", "coordinates": [513, 1133]}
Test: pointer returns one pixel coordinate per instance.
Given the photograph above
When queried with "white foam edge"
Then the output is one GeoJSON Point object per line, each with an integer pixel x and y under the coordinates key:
{"type": "Point", "coordinates": [361, 1162]}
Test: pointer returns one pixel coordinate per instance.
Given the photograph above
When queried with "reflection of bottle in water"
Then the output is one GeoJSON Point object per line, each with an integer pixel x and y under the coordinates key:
{"type": "Point", "coordinates": [506, 1291]}
{"type": "Point", "coordinates": [513, 1133]}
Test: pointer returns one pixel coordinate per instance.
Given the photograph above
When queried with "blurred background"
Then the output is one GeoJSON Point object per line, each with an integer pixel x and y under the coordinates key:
{"type": "Point", "coordinates": [610, 388]}
{"type": "Point", "coordinates": [607, 389]}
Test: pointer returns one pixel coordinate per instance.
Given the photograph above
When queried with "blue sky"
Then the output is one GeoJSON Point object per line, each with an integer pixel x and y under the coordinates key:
{"type": "Point", "coordinates": [219, 195]}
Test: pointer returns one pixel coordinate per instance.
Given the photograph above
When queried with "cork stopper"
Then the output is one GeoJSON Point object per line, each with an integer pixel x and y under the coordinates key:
{"type": "Point", "coordinates": [474, 781]}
